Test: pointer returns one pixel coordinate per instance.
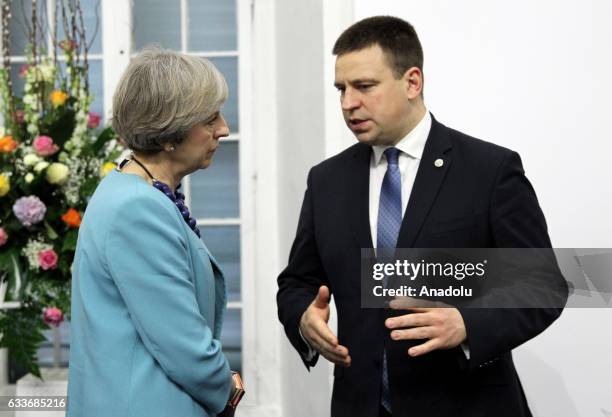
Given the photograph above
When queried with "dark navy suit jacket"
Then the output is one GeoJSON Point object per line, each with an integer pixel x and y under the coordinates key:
{"type": "Point", "coordinates": [479, 198]}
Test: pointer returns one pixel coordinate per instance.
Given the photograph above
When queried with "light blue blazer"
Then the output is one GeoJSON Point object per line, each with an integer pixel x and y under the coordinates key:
{"type": "Point", "coordinates": [147, 308]}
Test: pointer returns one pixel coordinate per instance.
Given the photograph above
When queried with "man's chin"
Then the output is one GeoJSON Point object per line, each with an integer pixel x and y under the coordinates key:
{"type": "Point", "coordinates": [369, 139]}
{"type": "Point", "coordinates": [365, 137]}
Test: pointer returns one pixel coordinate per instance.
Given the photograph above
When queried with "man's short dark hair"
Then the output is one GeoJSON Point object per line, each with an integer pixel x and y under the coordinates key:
{"type": "Point", "coordinates": [396, 37]}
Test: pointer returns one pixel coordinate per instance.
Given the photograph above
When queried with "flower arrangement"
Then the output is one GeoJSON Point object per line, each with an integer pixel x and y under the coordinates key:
{"type": "Point", "coordinates": [53, 154]}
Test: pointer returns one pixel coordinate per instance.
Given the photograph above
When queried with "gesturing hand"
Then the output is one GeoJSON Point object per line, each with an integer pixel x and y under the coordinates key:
{"type": "Point", "coordinates": [443, 326]}
{"type": "Point", "coordinates": [313, 326]}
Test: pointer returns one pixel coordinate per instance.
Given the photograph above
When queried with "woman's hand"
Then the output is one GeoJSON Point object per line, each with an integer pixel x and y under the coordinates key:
{"type": "Point", "coordinates": [228, 412]}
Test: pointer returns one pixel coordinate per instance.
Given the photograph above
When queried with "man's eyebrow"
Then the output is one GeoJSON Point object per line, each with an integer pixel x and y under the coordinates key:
{"type": "Point", "coordinates": [357, 81]}
{"type": "Point", "coordinates": [364, 81]}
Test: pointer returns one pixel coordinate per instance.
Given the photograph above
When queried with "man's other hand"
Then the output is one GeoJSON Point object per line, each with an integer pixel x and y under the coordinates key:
{"type": "Point", "coordinates": [313, 326]}
{"type": "Point", "coordinates": [443, 325]}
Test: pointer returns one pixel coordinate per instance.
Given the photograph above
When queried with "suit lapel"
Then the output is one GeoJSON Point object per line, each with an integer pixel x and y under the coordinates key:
{"type": "Point", "coordinates": [428, 180]}
{"type": "Point", "coordinates": [358, 195]}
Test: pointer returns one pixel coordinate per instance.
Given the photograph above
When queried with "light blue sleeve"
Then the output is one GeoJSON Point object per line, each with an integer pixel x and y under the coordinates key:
{"type": "Point", "coordinates": [147, 255]}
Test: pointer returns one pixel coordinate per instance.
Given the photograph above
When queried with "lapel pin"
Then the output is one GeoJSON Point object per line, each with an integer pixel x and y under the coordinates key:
{"type": "Point", "coordinates": [438, 163]}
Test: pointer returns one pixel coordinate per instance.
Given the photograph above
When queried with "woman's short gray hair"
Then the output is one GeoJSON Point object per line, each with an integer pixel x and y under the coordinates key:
{"type": "Point", "coordinates": [161, 95]}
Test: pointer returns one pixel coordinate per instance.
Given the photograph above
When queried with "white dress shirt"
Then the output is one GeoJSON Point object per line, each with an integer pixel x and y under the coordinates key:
{"type": "Point", "coordinates": [411, 150]}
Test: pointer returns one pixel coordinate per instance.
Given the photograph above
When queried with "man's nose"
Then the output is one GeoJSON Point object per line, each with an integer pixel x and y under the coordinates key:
{"type": "Point", "coordinates": [350, 100]}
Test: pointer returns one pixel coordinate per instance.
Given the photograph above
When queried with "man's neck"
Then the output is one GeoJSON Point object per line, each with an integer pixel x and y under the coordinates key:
{"type": "Point", "coordinates": [416, 115]}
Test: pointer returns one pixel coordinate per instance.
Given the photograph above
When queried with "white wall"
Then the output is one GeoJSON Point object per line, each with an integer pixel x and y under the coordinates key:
{"type": "Point", "coordinates": [534, 76]}
{"type": "Point", "coordinates": [301, 144]}
{"type": "Point", "coordinates": [289, 138]}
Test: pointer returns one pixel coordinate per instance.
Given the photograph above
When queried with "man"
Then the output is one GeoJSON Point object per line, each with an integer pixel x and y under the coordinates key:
{"type": "Point", "coordinates": [409, 182]}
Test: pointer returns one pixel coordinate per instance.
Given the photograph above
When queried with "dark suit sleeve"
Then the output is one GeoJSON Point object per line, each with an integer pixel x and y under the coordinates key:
{"type": "Point", "coordinates": [516, 221]}
{"type": "Point", "coordinates": [299, 283]}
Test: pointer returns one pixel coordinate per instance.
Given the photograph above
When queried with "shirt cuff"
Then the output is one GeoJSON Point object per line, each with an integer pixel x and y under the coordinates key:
{"type": "Point", "coordinates": [466, 350]}
{"type": "Point", "coordinates": [309, 356]}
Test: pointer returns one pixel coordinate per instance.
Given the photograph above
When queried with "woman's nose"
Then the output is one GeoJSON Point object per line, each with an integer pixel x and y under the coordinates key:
{"type": "Point", "coordinates": [223, 129]}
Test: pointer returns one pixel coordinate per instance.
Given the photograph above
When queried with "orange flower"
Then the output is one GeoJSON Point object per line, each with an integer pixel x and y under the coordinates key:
{"type": "Point", "coordinates": [72, 218]}
{"type": "Point", "coordinates": [58, 98]}
{"type": "Point", "coordinates": [7, 144]}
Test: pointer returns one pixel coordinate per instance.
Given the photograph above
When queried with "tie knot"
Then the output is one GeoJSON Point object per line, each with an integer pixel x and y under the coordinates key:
{"type": "Point", "coordinates": [392, 154]}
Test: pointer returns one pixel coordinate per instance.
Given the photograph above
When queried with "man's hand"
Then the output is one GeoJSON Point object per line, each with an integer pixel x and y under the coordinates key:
{"type": "Point", "coordinates": [313, 326]}
{"type": "Point", "coordinates": [443, 326]}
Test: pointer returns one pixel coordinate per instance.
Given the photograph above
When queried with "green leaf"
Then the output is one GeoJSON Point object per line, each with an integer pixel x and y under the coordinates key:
{"type": "Point", "coordinates": [52, 234]}
{"type": "Point", "coordinates": [89, 186]}
{"type": "Point", "coordinates": [59, 125]}
{"type": "Point", "coordinates": [70, 241]}
{"type": "Point", "coordinates": [106, 135]}
{"type": "Point", "coordinates": [16, 280]}
{"type": "Point", "coordinates": [22, 333]}
{"type": "Point", "coordinates": [12, 273]}
{"type": "Point", "coordinates": [5, 260]}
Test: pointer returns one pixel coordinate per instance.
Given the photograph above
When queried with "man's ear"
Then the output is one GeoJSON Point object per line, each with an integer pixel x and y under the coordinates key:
{"type": "Point", "coordinates": [413, 80]}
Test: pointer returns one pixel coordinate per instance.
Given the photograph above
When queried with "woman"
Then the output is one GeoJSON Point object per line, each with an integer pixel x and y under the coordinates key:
{"type": "Point", "coordinates": [147, 297]}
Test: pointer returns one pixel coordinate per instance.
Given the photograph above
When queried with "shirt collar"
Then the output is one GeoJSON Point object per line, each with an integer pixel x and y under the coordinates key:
{"type": "Point", "coordinates": [412, 144]}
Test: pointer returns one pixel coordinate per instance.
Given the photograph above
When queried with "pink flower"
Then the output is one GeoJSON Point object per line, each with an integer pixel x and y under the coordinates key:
{"type": "Point", "coordinates": [3, 236]}
{"type": "Point", "coordinates": [23, 70]}
{"type": "Point", "coordinates": [93, 120]}
{"type": "Point", "coordinates": [53, 316]}
{"type": "Point", "coordinates": [44, 146]}
{"type": "Point", "coordinates": [19, 116]}
{"type": "Point", "coordinates": [47, 259]}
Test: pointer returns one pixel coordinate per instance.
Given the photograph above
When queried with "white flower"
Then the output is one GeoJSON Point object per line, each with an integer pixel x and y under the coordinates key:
{"type": "Point", "coordinates": [32, 129]}
{"type": "Point", "coordinates": [29, 177]}
{"type": "Point", "coordinates": [31, 159]}
{"type": "Point", "coordinates": [39, 167]}
{"type": "Point", "coordinates": [57, 173]}
{"type": "Point", "coordinates": [31, 251]}
{"type": "Point", "coordinates": [29, 99]}
{"type": "Point", "coordinates": [47, 71]}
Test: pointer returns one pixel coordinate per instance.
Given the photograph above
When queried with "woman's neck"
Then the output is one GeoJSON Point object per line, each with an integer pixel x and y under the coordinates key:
{"type": "Point", "coordinates": [158, 167]}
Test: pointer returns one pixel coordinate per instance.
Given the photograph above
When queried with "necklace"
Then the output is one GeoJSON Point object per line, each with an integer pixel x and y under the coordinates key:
{"type": "Point", "coordinates": [176, 197]}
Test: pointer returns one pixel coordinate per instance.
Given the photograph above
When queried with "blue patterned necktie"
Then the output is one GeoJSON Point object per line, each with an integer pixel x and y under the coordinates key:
{"type": "Point", "coordinates": [389, 222]}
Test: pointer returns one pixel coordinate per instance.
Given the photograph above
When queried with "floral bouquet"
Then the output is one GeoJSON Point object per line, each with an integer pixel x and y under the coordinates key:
{"type": "Point", "coordinates": [53, 154]}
